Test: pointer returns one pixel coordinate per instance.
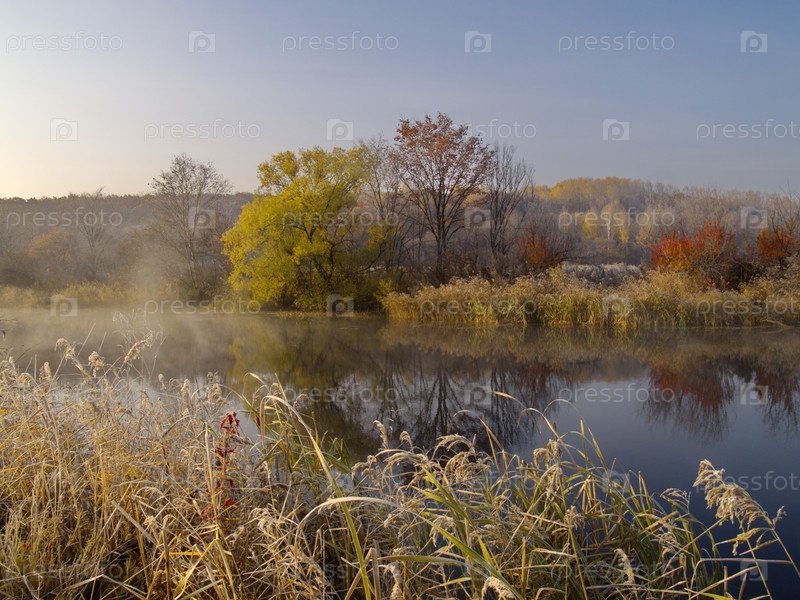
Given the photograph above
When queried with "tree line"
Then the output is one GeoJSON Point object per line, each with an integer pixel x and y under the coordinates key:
{"type": "Point", "coordinates": [433, 203]}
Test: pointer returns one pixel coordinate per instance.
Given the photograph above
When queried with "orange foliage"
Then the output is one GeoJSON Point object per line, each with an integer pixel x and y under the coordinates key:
{"type": "Point", "coordinates": [776, 244]}
{"type": "Point", "coordinates": [537, 252]}
{"type": "Point", "coordinates": [711, 253]}
{"type": "Point", "coordinates": [675, 252]}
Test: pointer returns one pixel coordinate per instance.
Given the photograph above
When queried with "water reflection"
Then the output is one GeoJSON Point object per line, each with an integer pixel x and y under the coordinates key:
{"type": "Point", "coordinates": [428, 381]}
{"type": "Point", "coordinates": [657, 403]}
{"type": "Point", "coordinates": [705, 378]}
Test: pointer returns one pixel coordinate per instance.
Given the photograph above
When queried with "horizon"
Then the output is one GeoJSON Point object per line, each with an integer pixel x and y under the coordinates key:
{"type": "Point", "coordinates": [682, 189]}
{"type": "Point", "coordinates": [101, 96]}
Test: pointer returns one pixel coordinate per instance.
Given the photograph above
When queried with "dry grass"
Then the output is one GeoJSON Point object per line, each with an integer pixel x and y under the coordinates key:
{"type": "Point", "coordinates": [111, 490]}
{"type": "Point", "coordinates": [11, 296]}
{"type": "Point", "coordinates": [560, 299]}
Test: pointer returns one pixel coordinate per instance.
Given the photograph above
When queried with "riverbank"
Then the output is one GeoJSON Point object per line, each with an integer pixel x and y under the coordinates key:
{"type": "Point", "coordinates": [557, 299]}
{"type": "Point", "coordinates": [109, 489]}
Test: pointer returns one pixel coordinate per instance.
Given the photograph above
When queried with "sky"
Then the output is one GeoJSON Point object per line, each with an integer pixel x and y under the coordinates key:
{"type": "Point", "coordinates": [104, 94]}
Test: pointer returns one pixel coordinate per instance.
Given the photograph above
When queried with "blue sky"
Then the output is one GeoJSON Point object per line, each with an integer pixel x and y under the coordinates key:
{"type": "Point", "coordinates": [100, 94]}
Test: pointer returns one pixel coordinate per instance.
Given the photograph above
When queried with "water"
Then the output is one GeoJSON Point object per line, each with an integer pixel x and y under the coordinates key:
{"type": "Point", "coordinates": [657, 403]}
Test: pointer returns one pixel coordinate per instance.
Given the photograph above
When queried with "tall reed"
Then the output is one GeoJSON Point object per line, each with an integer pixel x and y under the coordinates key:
{"type": "Point", "coordinates": [113, 489]}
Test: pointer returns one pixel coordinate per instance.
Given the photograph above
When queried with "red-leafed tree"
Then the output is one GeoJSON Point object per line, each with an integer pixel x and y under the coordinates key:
{"type": "Point", "coordinates": [441, 165]}
{"type": "Point", "coordinates": [775, 245]}
{"type": "Point", "coordinates": [544, 245]}
{"type": "Point", "coordinates": [711, 253]}
{"type": "Point", "coordinates": [674, 252]}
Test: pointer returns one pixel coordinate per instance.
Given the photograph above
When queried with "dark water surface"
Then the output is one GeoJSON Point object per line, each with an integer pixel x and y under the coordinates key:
{"type": "Point", "coordinates": [657, 403]}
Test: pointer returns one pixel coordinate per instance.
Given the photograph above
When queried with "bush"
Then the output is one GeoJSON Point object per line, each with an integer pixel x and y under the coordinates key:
{"type": "Point", "coordinates": [711, 255]}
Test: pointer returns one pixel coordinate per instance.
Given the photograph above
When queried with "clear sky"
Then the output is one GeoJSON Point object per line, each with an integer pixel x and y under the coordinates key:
{"type": "Point", "coordinates": [104, 94]}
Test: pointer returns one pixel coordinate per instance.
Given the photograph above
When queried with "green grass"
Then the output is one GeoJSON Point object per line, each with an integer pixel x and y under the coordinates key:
{"type": "Point", "coordinates": [109, 490]}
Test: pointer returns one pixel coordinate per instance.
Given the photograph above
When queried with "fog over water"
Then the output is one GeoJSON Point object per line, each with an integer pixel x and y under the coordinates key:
{"type": "Point", "coordinates": [657, 404]}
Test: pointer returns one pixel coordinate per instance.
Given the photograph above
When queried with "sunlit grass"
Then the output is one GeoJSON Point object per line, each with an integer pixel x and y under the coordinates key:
{"type": "Point", "coordinates": [557, 299]}
{"type": "Point", "coordinates": [111, 490]}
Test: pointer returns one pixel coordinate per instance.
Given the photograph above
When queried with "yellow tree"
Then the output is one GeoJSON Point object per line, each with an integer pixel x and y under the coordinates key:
{"type": "Point", "coordinates": [299, 240]}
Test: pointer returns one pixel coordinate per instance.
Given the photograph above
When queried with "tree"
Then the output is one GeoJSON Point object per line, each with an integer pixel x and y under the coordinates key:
{"type": "Point", "coordinates": [94, 224]}
{"type": "Point", "coordinates": [711, 254]}
{"type": "Point", "coordinates": [779, 239]}
{"type": "Point", "coordinates": [546, 245]}
{"type": "Point", "coordinates": [441, 166]}
{"type": "Point", "coordinates": [188, 222]}
{"type": "Point", "coordinates": [55, 257]}
{"type": "Point", "coordinates": [510, 182]}
{"type": "Point", "coordinates": [394, 219]}
{"type": "Point", "coordinates": [299, 240]}
{"type": "Point", "coordinates": [776, 244]}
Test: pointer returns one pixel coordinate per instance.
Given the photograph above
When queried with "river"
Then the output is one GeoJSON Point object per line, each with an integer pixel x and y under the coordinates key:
{"type": "Point", "coordinates": [657, 403]}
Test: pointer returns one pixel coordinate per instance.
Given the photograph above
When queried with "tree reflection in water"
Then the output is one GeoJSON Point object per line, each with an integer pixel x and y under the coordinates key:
{"type": "Point", "coordinates": [432, 381]}
{"type": "Point", "coordinates": [429, 381]}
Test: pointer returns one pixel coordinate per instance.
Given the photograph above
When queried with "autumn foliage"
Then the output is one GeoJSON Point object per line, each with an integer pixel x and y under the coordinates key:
{"type": "Point", "coordinates": [543, 249]}
{"type": "Point", "coordinates": [711, 254]}
{"type": "Point", "coordinates": [775, 245]}
{"type": "Point", "coordinates": [223, 486]}
{"type": "Point", "coordinates": [537, 252]}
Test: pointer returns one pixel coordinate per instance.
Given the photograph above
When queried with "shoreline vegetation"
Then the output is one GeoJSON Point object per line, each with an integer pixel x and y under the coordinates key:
{"type": "Point", "coordinates": [111, 489]}
{"type": "Point", "coordinates": [560, 299]}
{"type": "Point", "coordinates": [409, 225]}
{"type": "Point", "coordinates": [620, 299]}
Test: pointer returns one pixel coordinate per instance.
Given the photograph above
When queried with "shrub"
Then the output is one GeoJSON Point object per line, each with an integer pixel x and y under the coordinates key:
{"type": "Point", "coordinates": [711, 254]}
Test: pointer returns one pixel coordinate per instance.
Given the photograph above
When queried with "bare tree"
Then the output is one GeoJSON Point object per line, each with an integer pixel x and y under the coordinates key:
{"type": "Point", "coordinates": [510, 182]}
{"type": "Point", "coordinates": [186, 210]}
{"type": "Point", "coordinates": [94, 225]}
{"type": "Point", "coordinates": [546, 244]}
{"type": "Point", "coordinates": [383, 184]}
{"type": "Point", "coordinates": [441, 165]}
